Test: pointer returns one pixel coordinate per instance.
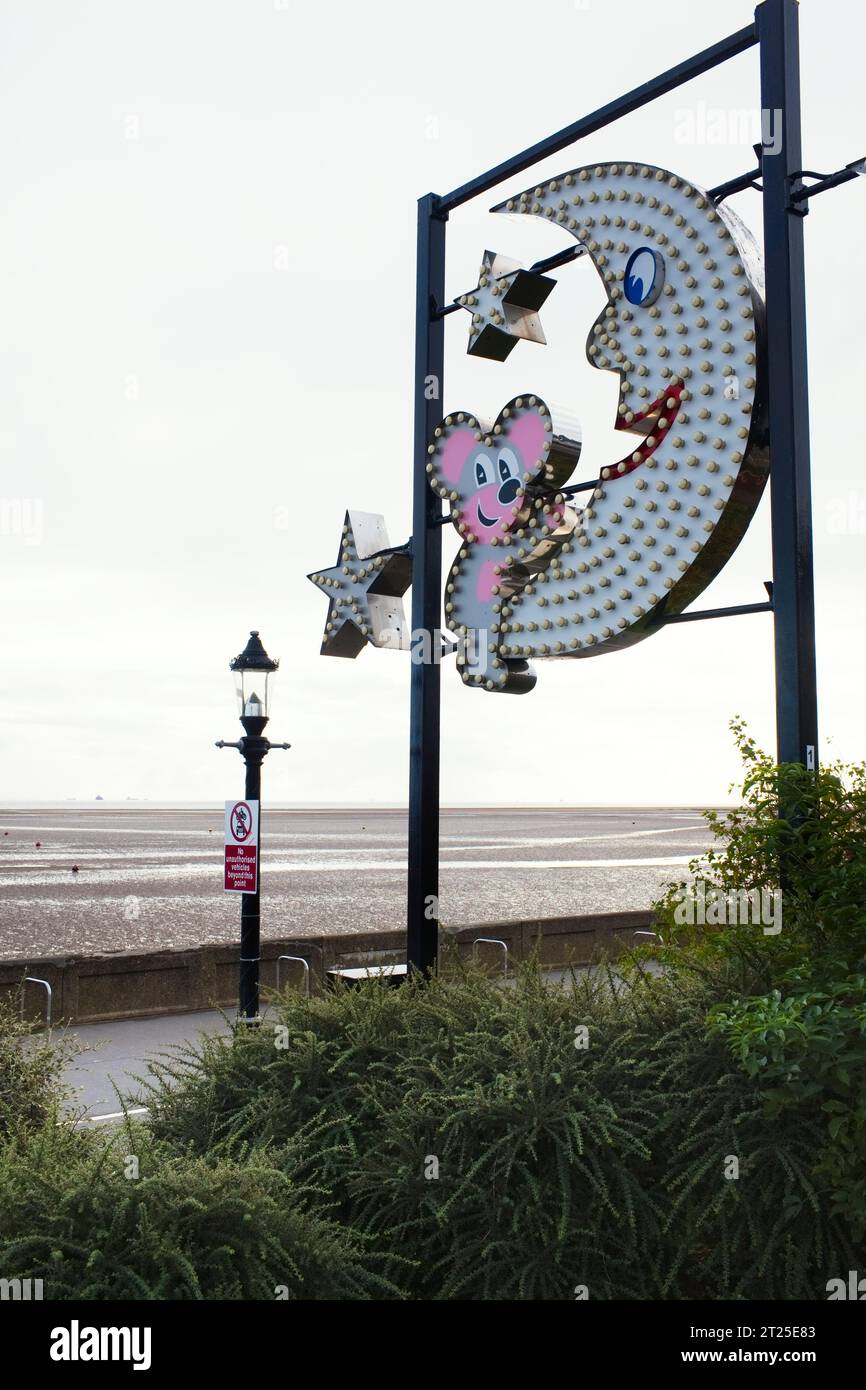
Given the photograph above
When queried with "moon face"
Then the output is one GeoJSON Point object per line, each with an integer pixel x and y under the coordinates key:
{"type": "Point", "coordinates": [683, 329]}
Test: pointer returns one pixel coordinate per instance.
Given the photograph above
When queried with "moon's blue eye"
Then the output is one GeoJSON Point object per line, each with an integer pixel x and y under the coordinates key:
{"type": "Point", "coordinates": [644, 276]}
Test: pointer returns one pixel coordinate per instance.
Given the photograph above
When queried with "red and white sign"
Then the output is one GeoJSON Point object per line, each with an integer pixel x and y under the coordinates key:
{"type": "Point", "coordinates": [242, 847]}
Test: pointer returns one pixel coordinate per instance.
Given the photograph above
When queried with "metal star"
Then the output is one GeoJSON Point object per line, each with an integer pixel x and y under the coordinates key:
{"type": "Point", "coordinates": [504, 307]}
{"type": "Point", "coordinates": [365, 589]}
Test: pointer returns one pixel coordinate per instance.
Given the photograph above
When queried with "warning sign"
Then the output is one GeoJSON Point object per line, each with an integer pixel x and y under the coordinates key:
{"type": "Point", "coordinates": [241, 847]}
{"type": "Point", "coordinates": [241, 868]}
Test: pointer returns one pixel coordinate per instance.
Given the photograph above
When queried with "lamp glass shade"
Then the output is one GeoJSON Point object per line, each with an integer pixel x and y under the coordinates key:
{"type": "Point", "coordinates": [253, 690]}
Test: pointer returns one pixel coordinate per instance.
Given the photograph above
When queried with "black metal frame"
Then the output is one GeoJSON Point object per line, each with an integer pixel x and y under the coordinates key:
{"type": "Point", "coordinates": [785, 201]}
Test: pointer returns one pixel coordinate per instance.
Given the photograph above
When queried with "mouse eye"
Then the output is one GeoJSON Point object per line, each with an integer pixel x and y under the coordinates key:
{"type": "Point", "coordinates": [644, 276]}
{"type": "Point", "coordinates": [507, 465]}
{"type": "Point", "coordinates": [483, 470]}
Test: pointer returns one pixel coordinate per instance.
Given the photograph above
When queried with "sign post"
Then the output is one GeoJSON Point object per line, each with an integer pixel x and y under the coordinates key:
{"type": "Point", "coordinates": [253, 670]}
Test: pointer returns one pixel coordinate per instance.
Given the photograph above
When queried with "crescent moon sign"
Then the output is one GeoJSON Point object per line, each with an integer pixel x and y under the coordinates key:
{"type": "Point", "coordinates": [683, 328]}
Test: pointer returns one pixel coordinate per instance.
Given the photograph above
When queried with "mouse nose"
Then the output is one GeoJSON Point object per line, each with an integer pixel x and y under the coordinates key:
{"type": "Point", "coordinates": [508, 491]}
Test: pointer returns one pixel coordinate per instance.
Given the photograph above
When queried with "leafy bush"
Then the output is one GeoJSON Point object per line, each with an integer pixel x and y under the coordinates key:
{"type": "Point", "coordinates": [558, 1165]}
{"type": "Point", "coordinates": [610, 1166]}
{"type": "Point", "coordinates": [30, 1070]}
{"type": "Point", "coordinates": [185, 1228]}
{"type": "Point", "coordinates": [798, 832]}
{"type": "Point", "coordinates": [807, 1052]}
{"type": "Point", "coordinates": [796, 1021]}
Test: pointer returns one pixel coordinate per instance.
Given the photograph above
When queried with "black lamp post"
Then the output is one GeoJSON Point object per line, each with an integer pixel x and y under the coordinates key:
{"type": "Point", "coordinates": [253, 671]}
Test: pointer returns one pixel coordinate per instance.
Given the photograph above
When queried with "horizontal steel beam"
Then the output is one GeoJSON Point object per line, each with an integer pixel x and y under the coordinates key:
{"type": "Point", "coordinates": [735, 612]}
{"type": "Point", "coordinates": [571, 253]}
{"type": "Point", "coordinates": [737, 185]}
{"type": "Point", "coordinates": [851, 171]}
{"type": "Point", "coordinates": [579, 487]}
{"type": "Point", "coordinates": [700, 63]}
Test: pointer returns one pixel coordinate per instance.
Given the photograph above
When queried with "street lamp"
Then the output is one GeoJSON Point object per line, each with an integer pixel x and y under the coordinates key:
{"type": "Point", "coordinates": [254, 674]}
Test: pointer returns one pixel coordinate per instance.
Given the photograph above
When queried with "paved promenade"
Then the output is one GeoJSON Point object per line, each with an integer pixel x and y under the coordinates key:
{"type": "Point", "coordinates": [116, 1052]}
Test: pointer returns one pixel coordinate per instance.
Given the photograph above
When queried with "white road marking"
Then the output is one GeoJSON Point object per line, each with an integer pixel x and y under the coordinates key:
{"type": "Point", "coordinates": [114, 1115]}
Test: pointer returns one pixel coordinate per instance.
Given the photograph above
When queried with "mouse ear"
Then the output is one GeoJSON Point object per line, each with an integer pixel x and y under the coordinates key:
{"type": "Point", "coordinates": [448, 451]}
{"type": "Point", "coordinates": [455, 451]}
{"type": "Point", "coordinates": [547, 449]}
{"type": "Point", "coordinates": [524, 431]}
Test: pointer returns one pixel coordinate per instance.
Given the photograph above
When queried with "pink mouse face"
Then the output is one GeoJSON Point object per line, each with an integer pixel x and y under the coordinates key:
{"type": "Point", "coordinates": [498, 478]}
{"type": "Point", "coordinates": [489, 473]}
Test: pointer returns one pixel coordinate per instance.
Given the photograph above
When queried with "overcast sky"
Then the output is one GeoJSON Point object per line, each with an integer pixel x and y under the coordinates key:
{"type": "Point", "coordinates": [206, 318]}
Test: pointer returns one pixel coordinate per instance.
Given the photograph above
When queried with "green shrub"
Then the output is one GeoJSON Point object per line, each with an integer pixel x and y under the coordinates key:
{"type": "Point", "coordinates": [610, 1166]}
{"type": "Point", "coordinates": [558, 1165]}
{"type": "Point", "coordinates": [806, 1051]}
{"type": "Point", "coordinates": [30, 1069]}
{"type": "Point", "coordinates": [185, 1228]}
{"type": "Point", "coordinates": [799, 832]}
{"type": "Point", "coordinates": [795, 1018]}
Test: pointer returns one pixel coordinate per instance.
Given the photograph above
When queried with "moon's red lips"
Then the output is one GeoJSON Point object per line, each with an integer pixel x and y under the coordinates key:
{"type": "Point", "coordinates": [640, 455]}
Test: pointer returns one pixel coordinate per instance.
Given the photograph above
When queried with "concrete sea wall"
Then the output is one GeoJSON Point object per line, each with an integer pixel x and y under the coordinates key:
{"type": "Point", "coordinates": [139, 984]}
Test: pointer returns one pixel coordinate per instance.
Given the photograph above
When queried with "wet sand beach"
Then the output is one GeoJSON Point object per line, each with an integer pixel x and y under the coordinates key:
{"type": "Point", "coordinates": [150, 877]}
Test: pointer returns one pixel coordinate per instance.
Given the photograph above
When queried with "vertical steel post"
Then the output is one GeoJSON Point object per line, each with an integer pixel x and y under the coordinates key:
{"type": "Point", "coordinates": [790, 487]}
{"type": "Point", "coordinates": [422, 909]}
